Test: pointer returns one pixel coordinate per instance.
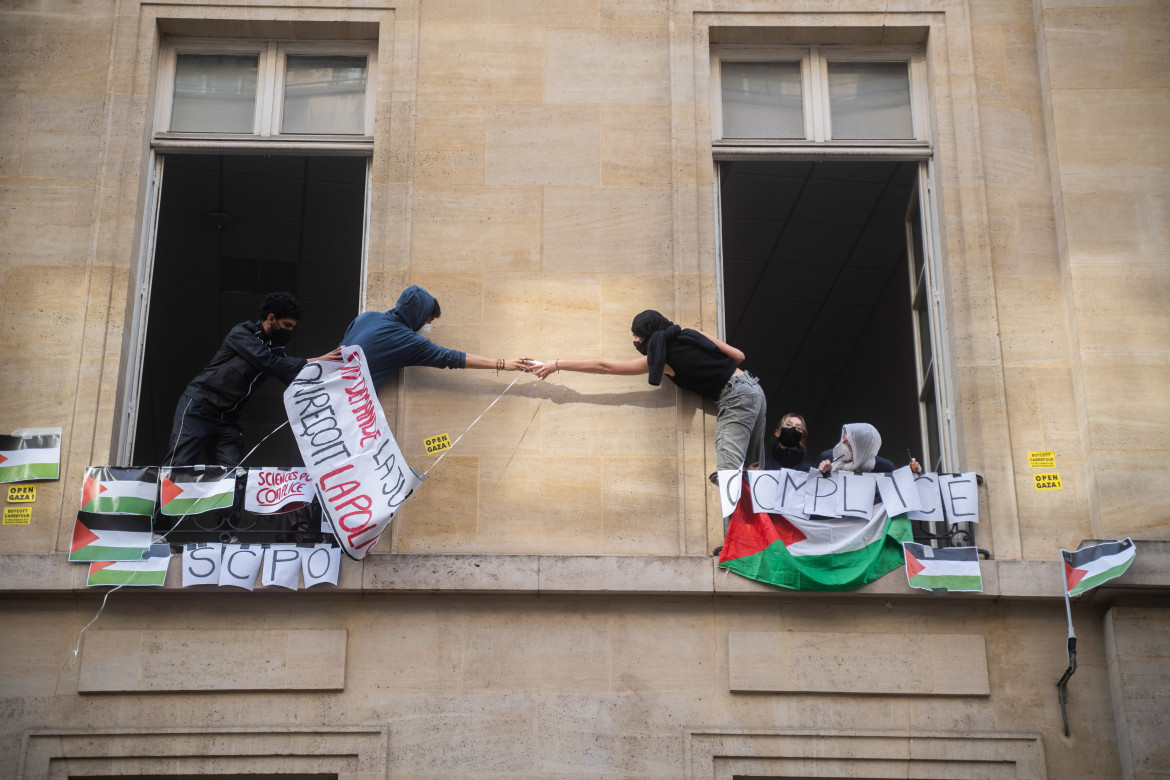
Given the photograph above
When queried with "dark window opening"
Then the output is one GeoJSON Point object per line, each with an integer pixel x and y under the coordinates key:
{"type": "Point", "coordinates": [230, 229]}
{"type": "Point", "coordinates": [817, 294]}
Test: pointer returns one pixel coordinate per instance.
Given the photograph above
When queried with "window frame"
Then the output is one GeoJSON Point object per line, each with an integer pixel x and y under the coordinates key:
{"type": "Point", "coordinates": [269, 112]}
{"type": "Point", "coordinates": [814, 73]}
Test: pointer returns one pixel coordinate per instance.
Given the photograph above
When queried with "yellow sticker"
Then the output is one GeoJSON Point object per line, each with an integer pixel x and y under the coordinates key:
{"type": "Point", "coordinates": [1042, 460]}
{"type": "Point", "coordinates": [437, 443]}
{"type": "Point", "coordinates": [1049, 481]}
{"type": "Point", "coordinates": [22, 494]}
{"type": "Point", "coordinates": [17, 515]}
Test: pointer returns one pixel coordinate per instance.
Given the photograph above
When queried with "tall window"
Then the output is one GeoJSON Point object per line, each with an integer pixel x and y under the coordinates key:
{"type": "Point", "coordinates": [823, 156]}
{"type": "Point", "coordinates": [260, 184]}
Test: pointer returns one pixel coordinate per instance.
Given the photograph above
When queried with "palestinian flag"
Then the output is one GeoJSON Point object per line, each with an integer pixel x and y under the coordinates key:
{"type": "Point", "coordinates": [1088, 567]}
{"type": "Point", "coordinates": [30, 457]}
{"type": "Point", "coordinates": [110, 537]}
{"type": "Point", "coordinates": [948, 568]}
{"type": "Point", "coordinates": [149, 571]}
{"type": "Point", "coordinates": [195, 489]}
{"type": "Point", "coordinates": [111, 491]}
{"type": "Point", "coordinates": [818, 553]}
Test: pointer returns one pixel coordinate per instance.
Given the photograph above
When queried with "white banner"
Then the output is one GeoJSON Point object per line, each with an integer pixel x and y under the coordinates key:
{"type": "Point", "coordinates": [240, 564]}
{"type": "Point", "coordinates": [320, 565]}
{"type": "Point", "coordinates": [359, 472]}
{"type": "Point", "coordinates": [282, 566]}
{"type": "Point", "coordinates": [201, 563]}
{"type": "Point", "coordinates": [845, 494]}
{"type": "Point", "coordinates": [273, 491]}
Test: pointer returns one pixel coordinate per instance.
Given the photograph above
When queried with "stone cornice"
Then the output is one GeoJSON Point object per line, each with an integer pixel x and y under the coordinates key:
{"type": "Point", "coordinates": [1149, 575]}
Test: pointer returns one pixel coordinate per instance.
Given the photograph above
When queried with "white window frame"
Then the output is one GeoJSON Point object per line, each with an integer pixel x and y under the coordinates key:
{"type": "Point", "coordinates": [272, 56]}
{"type": "Point", "coordinates": [814, 83]}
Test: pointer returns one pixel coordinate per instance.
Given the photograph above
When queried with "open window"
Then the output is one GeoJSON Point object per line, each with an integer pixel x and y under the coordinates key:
{"type": "Point", "coordinates": [823, 159]}
{"type": "Point", "coordinates": [261, 152]}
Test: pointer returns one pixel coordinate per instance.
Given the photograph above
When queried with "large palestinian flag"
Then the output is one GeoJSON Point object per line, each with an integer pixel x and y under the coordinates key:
{"type": "Point", "coordinates": [947, 568]}
{"type": "Point", "coordinates": [30, 457]}
{"type": "Point", "coordinates": [110, 537]}
{"type": "Point", "coordinates": [1088, 567]}
{"type": "Point", "coordinates": [191, 490]}
{"type": "Point", "coordinates": [149, 571]}
{"type": "Point", "coordinates": [112, 491]}
{"type": "Point", "coordinates": [818, 553]}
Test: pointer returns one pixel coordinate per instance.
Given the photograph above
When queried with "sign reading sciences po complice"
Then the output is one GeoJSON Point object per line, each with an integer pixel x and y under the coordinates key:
{"type": "Point", "coordinates": [359, 473]}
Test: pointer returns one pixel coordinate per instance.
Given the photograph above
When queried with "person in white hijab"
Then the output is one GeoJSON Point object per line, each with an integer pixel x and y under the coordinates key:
{"type": "Point", "coordinates": [857, 451]}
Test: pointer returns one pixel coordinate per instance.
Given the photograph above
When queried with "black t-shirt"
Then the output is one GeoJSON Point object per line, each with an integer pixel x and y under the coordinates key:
{"type": "Point", "coordinates": [699, 367]}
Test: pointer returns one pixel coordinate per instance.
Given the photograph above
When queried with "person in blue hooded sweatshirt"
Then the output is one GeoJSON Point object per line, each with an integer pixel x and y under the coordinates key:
{"type": "Point", "coordinates": [394, 339]}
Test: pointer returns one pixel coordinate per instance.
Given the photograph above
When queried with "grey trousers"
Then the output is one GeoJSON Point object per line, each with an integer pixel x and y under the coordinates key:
{"type": "Point", "coordinates": [741, 426]}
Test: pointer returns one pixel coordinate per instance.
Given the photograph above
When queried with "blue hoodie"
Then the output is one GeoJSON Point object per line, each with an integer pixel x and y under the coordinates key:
{"type": "Point", "coordinates": [390, 342]}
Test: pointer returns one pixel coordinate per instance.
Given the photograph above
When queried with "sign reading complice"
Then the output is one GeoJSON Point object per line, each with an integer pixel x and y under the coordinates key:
{"type": "Point", "coordinates": [358, 470]}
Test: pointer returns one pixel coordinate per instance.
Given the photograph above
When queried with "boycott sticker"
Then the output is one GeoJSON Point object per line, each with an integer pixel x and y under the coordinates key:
{"type": "Point", "coordinates": [1050, 481]}
{"type": "Point", "coordinates": [17, 515]}
{"type": "Point", "coordinates": [437, 443]}
{"type": "Point", "coordinates": [1042, 460]}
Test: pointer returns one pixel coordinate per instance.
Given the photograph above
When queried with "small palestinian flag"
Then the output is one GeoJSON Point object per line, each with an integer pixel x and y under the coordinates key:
{"type": "Point", "coordinates": [111, 491]}
{"type": "Point", "coordinates": [149, 571]}
{"type": "Point", "coordinates": [1088, 567]}
{"type": "Point", "coordinates": [948, 568]}
{"type": "Point", "coordinates": [30, 457]}
{"type": "Point", "coordinates": [110, 537]}
{"type": "Point", "coordinates": [195, 489]}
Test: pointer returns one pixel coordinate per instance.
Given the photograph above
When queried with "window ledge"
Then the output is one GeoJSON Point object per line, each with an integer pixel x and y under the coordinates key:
{"type": "Point", "coordinates": [356, 145]}
{"type": "Point", "coordinates": [615, 575]}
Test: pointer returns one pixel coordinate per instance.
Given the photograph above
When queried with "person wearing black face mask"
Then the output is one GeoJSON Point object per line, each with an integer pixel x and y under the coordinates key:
{"type": "Point", "coordinates": [788, 452]}
{"type": "Point", "coordinates": [206, 416]}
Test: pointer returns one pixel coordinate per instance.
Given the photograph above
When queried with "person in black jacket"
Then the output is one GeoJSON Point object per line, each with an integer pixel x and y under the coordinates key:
{"type": "Point", "coordinates": [205, 417]}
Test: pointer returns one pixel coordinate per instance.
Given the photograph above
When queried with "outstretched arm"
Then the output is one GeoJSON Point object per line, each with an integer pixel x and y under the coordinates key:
{"type": "Point", "coordinates": [499, 364]}
{"type": "Point", "coordinates": [594, 366]}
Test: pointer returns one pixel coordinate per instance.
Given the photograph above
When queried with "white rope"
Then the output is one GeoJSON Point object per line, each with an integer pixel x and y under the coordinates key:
{"type": "Point", "coordinates": [473, 422]}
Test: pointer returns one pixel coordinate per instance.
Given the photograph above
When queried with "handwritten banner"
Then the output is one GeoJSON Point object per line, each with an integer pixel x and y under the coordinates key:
{"type": "Point", "coordinates": [212, 563]}
{"type": "Point", "coordinates": [799, 495]}
{"type": "Point", "coordinates": [273, 491]}
{"type": "Point", "coordinates": [359, 472]}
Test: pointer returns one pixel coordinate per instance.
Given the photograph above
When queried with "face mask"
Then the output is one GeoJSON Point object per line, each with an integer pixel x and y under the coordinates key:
{"type": "Point", "coordinates": [640, 346]}
{"type": "Point", "coordinates": [842, 455]}
{"type": "Point", "coordinates": [424, 331]}
{"type": "Point", "coordinates": [279, 336]}
{"type": "Point", "coordinates": [789, 437]}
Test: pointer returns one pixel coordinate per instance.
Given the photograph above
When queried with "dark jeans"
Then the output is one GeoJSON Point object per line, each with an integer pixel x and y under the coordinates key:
{"type": "Point", "coordinates": [194, 434]}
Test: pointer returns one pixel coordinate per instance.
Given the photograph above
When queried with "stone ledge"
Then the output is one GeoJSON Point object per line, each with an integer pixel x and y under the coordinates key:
{"type": "Point", "coordinates": [615, 575]}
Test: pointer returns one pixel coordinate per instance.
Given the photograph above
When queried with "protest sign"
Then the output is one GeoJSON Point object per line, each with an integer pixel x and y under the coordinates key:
{"type": "Point", "coordinates": [359, 472]}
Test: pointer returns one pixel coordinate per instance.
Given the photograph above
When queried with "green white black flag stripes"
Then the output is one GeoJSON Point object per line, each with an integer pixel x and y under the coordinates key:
{"type": "Point", "coordinates": [35, 456]}
{"type": "Point", "coordinates": [948, 568]}
{"type": "Point", "coordinates": [190, 490]}
{"type": "Point", "coordinates": [149, 571]}
{"type": "Point", "coordinates": [110, 537]}
{"type": "Point", "coordinates": [113, 491]}
{"type": "Point", "coordinates": [1088, 567]}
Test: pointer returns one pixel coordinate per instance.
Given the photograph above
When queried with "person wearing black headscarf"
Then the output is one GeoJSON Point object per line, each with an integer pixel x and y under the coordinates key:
{"type": "Point", "coordinates": [697, 362]}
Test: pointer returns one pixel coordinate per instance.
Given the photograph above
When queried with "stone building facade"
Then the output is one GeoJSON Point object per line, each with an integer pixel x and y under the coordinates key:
{"type": "Point", "coordinates": [547, 606]}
